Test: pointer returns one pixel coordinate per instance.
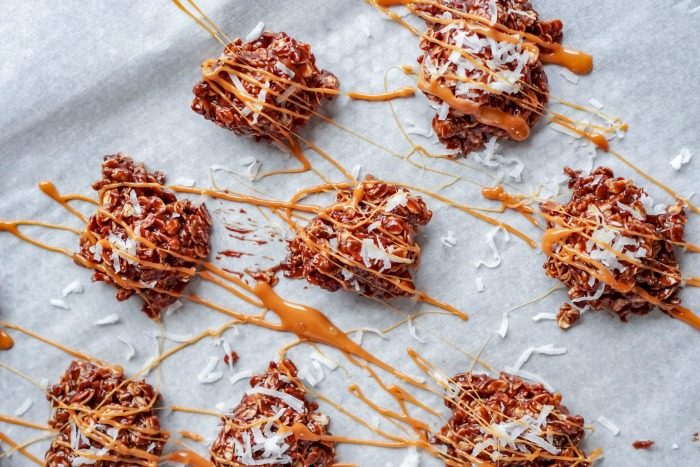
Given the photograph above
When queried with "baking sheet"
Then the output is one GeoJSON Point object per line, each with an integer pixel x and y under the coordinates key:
{"type": "Point", "coordinates": [83, 79]}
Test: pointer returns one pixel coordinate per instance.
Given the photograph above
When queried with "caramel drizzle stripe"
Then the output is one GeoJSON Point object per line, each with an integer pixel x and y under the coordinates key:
{"type": "Point", "coordinates": [21, 448]}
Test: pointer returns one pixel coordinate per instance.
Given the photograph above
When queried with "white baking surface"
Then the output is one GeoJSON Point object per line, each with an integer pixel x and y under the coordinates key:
{"type": "Point", "coordinates": [79, 80]}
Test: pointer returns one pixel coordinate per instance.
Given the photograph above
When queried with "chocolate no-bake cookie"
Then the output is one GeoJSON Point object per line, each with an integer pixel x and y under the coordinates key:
{"type": "Point", "coordinates": [611, 248]}
{"type": "Point", "coordinates": [364, 242]}
{"type": "Point", "coordinates": [484, 81]}
{"type": "Point", "coordinates": [142, 239]}
{"type": "Point", "coordinates": [508, 421]}
{"type": "Point", "coordinates": [266, 88]}
{"type": "Point", "coordinates": [263, 426]}
{"type": "Point", "coordinates": [103, 419]}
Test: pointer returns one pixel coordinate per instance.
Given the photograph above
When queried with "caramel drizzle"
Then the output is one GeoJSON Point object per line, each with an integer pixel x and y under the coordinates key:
{"type": "Point", "coordinates": [6, 341]}
{"type": "Point", "coordinates": [508, 201]}
{"type": "Point", "coordinates": [310, 324]}
{"type": "Point", "coordinates": [190, 458]}
{"type": "Point", "coordinates": [516, 127]}
{"type": "Point", "coordinates": [192, 436]}
{"type": "Point", "coordinates": [68, 350]}
{"type": "Point", "coordinates": [596, 138]}
{"type": "Point", "coordinates": [24, 423]}
{"type": "Point", "coordinates": [407, 91]}
{"type": "Point", "coordinates": [19, 448]}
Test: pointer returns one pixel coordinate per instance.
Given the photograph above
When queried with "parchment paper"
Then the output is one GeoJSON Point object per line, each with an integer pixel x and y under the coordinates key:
{"type": "Point", "coordinates": [80, 80]}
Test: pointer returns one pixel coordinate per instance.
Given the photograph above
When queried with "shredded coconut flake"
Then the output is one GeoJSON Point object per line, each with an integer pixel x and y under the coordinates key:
{"type": "Point", "coordinates": [493, 12]}
{"type": "Point", "coordinates": [681, 159]}
{"type": "Point", "coordinates": [73, 287]}
{"type": "Point", "coordinates": [444, 111]}
{"type": "Point", "coordinates": [544, 316]}
{"type": "Point", "coordinates": [595, 103]}
{"type": "Point", "coordinates": [569, 76]}
{"type": "Point", "coordinates": [327, 362]}
{"type": "Point", "coordinates": [185, 181]}
{"type": "Point", "coordinates": [58, 303]}
{"type": "Point", "coordinates": [372, 251]}
{"type": "Point", "coordinates": [135, 203]}
{"type": "Point", "coordinates": [503, 328]}
{"type": "Point", "coordinates": [491, 242]}
{"type": "Point", "coordinates": [176, 305]}
{"type": "Point", "coordinates": [413, 129]}
{"type": "Point", "coordinates": [547, 349]}
{"type": "Point", "coordinates": [364, 25]}
{"type": "Point", "coordinates": [255, 32]}
{"type": "Point", "coordinates": [609, 425]}
{"type": "Point", "coordinates": [24, 407]}
{"type": "Point", "coordinates": [284, 69]}
{"type": "Point", "coordinates": [412, 331]}
{"type": "Point", "coordinates": [294, 403]}
{"type": "Point", "coordinates": [449, 240]}
{"type": "Point", "coordinates": [208, 375]}
{"type": "Point", "coordinates": [398, 199]}
{"type": "Point", "coordinates": [241, 375]}
{"type": "Point", "coordinates": [479, 284]}
{"type": "Point", "coordinates": [107, 320]}
{"type": "Point", "coordinates": [130, 350]}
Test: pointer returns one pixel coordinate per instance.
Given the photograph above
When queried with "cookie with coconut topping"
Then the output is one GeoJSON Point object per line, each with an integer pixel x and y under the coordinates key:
{"type": "Point", "coordinates": [483, 82]}
{"type": "Point", "coordinates": [268, 425]}
{"type": "Point", "coordinates": [364, 242]}
{"type": "Point", "coordinates": [509, 421]}
{"type": "Point", "coordinates": [266, 88]}
{"type": "Point", "coordinates": [612, 247]}
{"type": "Point", "coordinates": [103, 419]}
{"type": "Point", "coordinates": [142, 239]}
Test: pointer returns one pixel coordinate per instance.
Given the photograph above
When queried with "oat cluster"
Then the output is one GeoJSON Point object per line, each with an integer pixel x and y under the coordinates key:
{"type": "Point", "coordinates": [266, 88]}
{"type": "Point", "coordinates": [501, 75]}
{"type": "Point", "coordinates": [364, 242]}
{"type": "Point", "coordinates": [256, 431]}
{"type": "Point", "coordinates": [142, 239]}
{"type": "Point", "coordinates": [616, 249]}
{"type": "Point", "coordinates": [102, 419]}
{"type": "Point", "coordinates": [508, 421]}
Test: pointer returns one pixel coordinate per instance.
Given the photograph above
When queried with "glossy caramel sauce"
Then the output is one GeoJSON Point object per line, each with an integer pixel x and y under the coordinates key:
{"type": "Point", "coordinates": [407, 91]}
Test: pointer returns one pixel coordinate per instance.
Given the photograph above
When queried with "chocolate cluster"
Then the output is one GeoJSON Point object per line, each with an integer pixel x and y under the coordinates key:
{"type": "Point", "coordinates": [142, 239]}
{"type": "Point", "coordinates": [612, 247]}
{"type": "Point", "coordinates": [364, 242]}
{"type": "Point", "coordinates": [102, 419]}
{"type": "Point", "coordinates": [266, 88]}
{"type": "Point", "coordinates": [509, 421]}
{"type": "Point", "coordinates": [261, 429]}
{"type": "Point", "coordinates": [505, 79]}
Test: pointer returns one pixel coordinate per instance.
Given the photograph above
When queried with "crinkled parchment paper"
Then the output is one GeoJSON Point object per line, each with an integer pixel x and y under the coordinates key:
{"type": "Point", "coordinates": [79, 80]}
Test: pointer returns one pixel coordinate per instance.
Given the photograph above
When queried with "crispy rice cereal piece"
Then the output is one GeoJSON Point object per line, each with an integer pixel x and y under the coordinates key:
{"type": "Point", "coordinates": [252, 431]}
{"type": "Point", "coordinates": [274, 69]}
{"type": "Point", "coordinates": [508, 77]}
{"type": "Point", "coordinates": [94, 407]}
{"type": "Point", "coordinates": [612, 228]}
{"type": "Point", "coordinates": [506, 419]}
{"type": "Point", "coordinates": [176, 233]}
{"type": "Point", "coordinates": [368, 247]}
